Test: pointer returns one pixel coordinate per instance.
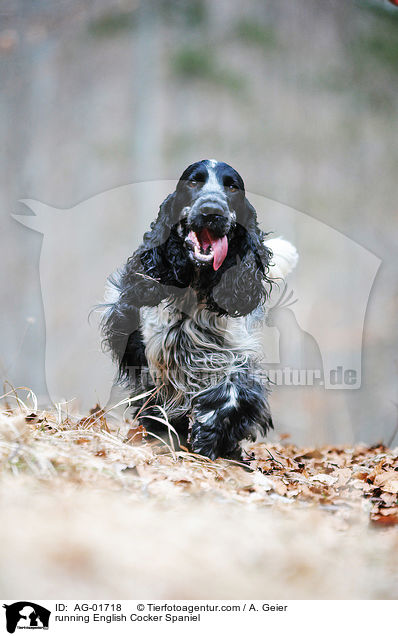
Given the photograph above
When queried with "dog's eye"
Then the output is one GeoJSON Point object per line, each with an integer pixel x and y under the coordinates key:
{"type": "Point", "coordinates": [232, 188]}
{"type": "Point", "coordinates": [192, 183]}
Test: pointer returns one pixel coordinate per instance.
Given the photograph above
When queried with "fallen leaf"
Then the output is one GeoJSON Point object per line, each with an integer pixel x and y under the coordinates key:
{"type": "Point", "coordinates": [136, 434]}
{"type": "Point", "coordinates": [260, 479]}
{"type": "Point", "coordinates": [312, 453]}
{"type": "Point", "coordinates": [385, 521]}
{"type": "Point", "coordinates": [343, 476]}
{"type": "Point", "coordinates": [388, 498]}
{"type": "Point", "coordinates": [391, 486]}
{"type": "Point", "coordinates": [329, 480]}
{"type": "Point", "coordinates": [386, 512]}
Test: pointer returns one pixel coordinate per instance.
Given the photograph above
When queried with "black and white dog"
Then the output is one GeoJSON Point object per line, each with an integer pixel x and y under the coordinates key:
{"type": "Point", "coordinates": [183, 312]}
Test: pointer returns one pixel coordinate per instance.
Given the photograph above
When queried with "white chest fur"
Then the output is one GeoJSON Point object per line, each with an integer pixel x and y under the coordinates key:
{"type": "Point", "coordinates": [188, 353]}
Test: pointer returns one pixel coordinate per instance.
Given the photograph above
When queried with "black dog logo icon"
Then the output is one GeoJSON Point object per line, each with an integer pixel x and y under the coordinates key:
{"type": "Point", "coordinates": [25, 614]}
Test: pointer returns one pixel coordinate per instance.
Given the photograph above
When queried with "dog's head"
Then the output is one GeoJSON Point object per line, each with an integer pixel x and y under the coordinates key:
{"type": "Point", "coordinates": [206, 237]}
{"type": "Point", "coordinates": [210, 196]}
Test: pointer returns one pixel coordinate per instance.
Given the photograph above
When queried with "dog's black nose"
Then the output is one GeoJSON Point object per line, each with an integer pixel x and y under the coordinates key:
{"type": "Point", "coordinates": [212, 208]}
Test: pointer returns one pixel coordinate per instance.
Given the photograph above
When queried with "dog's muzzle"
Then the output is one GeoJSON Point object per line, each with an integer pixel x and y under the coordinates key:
{"type": "Point", "coordinates": [209, 222]}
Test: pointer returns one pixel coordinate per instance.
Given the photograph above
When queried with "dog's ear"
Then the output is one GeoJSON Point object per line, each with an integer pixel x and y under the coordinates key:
{"type": "Point", "coordinates": [127, 291]}
{"type": "Point", "coordinates": [162, 253]}
{"type": "Point", "coordinates": [152, 251]}
{"type": "Point", "coordinates": [245, 285]}
{"type": "Point", "coordinates": [256, 243]}
{"type": "Point", "coordinates": [120, 329]}
{"type": "Point", "coordinates": [140, 283]}
{"type": "Point", "coordinates": [247, 216]}
{"type": "Point", "coordinates": [160, 228]}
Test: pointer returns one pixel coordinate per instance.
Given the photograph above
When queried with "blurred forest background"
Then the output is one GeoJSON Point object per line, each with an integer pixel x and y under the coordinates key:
{"type": "Point", "coordinates": [300, 97]}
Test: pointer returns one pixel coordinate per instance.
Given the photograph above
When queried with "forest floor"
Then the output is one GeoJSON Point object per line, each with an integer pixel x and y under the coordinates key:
{"type": "Point", "coordinates": [97, 508]}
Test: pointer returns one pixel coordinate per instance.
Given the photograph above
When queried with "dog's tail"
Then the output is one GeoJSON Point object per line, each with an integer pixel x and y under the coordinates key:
{"type": "Point", "coordinates": [284, 259]}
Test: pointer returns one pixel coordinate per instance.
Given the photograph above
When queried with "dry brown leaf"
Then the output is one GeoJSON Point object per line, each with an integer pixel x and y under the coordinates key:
{"type": "Point", "coordinates": [279, 487]}
{"type": "Point", "coordinates": [312, 453]}
{"type": "Point", "coordinates": [343, 476]}
{"type": "Point", "coordinates": [382, 477]}
{"type": "Point", "coordinates": [259, 479]}
{"type": "Point", "coordinates": [136, 434]}
{"type": "Point", "coordinates": [323, 478]}
{"type": "Point", "coordinates": [391, 486]}
{"type": "Point", "coordinates": [388, 498]}
{"type": "Point", "coordinates": [386, 512]}
{"type": "Point", "coordinates": [361, 475]}
{"type": "Point", "coordinates": [385, 521]}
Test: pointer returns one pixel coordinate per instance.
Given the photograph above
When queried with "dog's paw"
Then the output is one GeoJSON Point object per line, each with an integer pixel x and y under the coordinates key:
{"type": "Point", "coordinates": [227, 413]}
{"type": "Point", "coordinates": [204, 434]}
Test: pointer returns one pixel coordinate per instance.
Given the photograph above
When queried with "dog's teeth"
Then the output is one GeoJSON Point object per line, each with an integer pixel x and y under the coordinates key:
{"type": "Point", "coordinates": [201, 256]}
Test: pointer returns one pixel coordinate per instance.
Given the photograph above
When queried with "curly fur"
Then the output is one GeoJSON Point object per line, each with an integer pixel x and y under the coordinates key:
{"type": "Point", "coordinates": [182, 326]}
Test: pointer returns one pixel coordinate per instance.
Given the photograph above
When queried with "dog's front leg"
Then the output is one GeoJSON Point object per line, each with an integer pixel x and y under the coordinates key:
{"type": "Point", "coordinates": [227, 413]}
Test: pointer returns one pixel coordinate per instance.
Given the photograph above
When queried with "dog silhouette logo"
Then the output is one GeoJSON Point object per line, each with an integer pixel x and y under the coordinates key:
{"type": "Point", "coordinates": [322, 331]}
{"type": "Point", "coordinates": [26, 615]}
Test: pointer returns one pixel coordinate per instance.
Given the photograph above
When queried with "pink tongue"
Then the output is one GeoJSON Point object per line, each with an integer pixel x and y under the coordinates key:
{"type": "Point", "coordinates": [220, 249]}
{"type": "Point", "coordinates": [218, 245]}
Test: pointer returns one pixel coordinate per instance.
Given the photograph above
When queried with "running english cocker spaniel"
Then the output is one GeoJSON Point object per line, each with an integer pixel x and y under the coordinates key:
{"type": "Point", "coordinates": [183, 313]}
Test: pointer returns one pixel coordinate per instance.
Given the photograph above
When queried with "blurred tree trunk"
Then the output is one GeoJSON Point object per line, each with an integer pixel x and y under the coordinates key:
{"type": "Point", "coordinates": [146, 86]}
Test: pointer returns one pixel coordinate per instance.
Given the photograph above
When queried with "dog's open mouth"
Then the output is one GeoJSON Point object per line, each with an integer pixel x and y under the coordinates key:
{"type": "Point", "coordinates": [207, 248]}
